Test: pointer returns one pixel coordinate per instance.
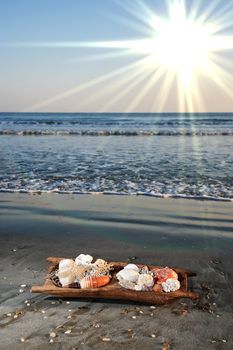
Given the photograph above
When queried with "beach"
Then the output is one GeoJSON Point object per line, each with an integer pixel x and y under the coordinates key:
{"type": "Point", "coordinates": [190, 234]}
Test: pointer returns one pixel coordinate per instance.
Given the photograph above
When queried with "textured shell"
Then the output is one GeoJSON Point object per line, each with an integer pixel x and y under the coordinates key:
{"type": "Point", "coordinates": [66, 277]}
{"type": "Point", "coordinates": [126, 284]}
{"type": "Point", "coordinates": [128, 275]}
{"type": "Point", "coordinates": [165, 273]}
{"type": "Point", "coordinates": [145, 282]}
{"type": "Point", "coordinates": [171, 285]}
{"type": "Point", "coordinates": [83, 259]}
{"type": "Point", "coordinates": [66, 264]}
{"type": "Point", "coordinates": [132, 267]}
{"type": "Point", "coordinates": [94, 282]}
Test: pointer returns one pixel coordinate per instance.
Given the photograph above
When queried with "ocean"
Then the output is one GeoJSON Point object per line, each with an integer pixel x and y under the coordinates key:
{"type": "Point", "coordinates": [161, 155]}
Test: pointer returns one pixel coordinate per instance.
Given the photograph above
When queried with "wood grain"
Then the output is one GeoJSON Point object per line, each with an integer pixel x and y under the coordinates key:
{"type": "Point", "coordinates": [114, 291]}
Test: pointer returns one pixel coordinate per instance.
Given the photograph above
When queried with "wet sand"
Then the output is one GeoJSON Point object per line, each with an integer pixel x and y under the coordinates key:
{"type": "Point", "coordinates": [196, 235]}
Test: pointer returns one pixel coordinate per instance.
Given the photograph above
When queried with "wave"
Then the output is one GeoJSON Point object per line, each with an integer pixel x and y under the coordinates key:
{"type": "Point", "coordinates": [115, 133]}
{"type": "Point", "coordinates": [148, 194]}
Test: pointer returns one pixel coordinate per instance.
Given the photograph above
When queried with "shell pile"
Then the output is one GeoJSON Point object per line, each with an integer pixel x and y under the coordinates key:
{"type": "Point", "coordinates": [83, 272]}
{"type": "Point", "coordinates": [141, 279]}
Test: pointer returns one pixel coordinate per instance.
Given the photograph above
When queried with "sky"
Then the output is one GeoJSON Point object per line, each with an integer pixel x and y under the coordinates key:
{"type": "Point", "coordinates": [116, 56]}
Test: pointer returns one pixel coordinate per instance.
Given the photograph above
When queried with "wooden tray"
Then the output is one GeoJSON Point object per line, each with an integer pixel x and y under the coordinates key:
{"type": "Point", "coordinates": [114, 291]}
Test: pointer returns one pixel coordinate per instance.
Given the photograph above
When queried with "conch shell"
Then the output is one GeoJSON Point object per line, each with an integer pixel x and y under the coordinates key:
{"type": "Point", "coordinates": [94, 282]}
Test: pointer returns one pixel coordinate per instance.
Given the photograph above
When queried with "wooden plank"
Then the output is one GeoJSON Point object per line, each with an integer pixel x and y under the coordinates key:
{"type": "Point", "coordinates": [114, 291]}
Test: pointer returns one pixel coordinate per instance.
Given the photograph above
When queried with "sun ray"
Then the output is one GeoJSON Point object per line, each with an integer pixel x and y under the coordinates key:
{"type": "Point", "coordinates": [86, 85]}
{"type": "Point", "coordinates": [146, 88]}
{"type": "Point", "coordinates": [182, 47]}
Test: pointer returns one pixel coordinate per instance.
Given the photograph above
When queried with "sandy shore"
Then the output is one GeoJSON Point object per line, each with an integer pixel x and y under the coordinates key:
{"type": "Point", "coordinates": [196, 235]}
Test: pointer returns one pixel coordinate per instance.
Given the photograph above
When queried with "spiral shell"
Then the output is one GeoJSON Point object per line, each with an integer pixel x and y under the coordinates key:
{"type": "Point", "coordinates": [94, 282]}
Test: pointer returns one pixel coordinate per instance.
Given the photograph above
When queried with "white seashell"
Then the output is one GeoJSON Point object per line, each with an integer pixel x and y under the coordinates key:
{"type": "Point", "coordinates": [83, 259]}
{"type": "Point", "coordinates": [99, 262]}
{"type": "Point", "coordinates": [144, 282]}
{"type": "Point", "coordinates": [65, 281]}
{"type": "Point", "coordinates": [66, 264]}
{"type": "Point", "coordinates": [126, 284]}
{"type": "Point", "coordinates": [128, 275]}
{"type": "Point", "coordinates": [171, 285]}
{"type": "Point", "coordinates": [132, 267]}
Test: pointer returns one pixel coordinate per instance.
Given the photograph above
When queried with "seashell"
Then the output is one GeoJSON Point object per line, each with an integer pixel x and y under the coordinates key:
{"type": "Point", "coordinates": [66, 277]}
{"type": "Point", "coordinates": [66, 264]}
{"type": "Point", "coordinates": [144, 269]}
{"type": "Point", "coordinates": [162, 274]}
{"type": "Point", "coordinates": [128, 275]}
{"type": "Point", "coordinates": [157, 288]}
{"type": "Point", "coordinates": [99, 262]}
{"type": "Point", "coordinates": [171, 285]}
{"type": "Point", "coordinates": [94, 282]}
{"type": "Point", "coordinates": [132, 267]}
{"type": "Point", "coordinates": [83, 259]}
{"type": "Point", "coordinates": [126, 284]}
{"type": "Point", "coordinates": [145, 282]}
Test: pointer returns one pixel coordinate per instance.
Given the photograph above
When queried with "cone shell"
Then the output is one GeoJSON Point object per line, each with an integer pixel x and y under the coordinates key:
{"type": "Point", "coordinates": [94, 282]}
{"type": "Point", "coordinates": [164, 273]}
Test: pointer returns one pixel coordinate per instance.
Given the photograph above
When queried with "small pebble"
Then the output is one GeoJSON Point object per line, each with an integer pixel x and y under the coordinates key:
{"type": "Point", "coordinates": [70, 310]}
{"type": "Point", "coordinates": [21, 291]}
{"type": "Point", "coordinates": [51, 340]}
{"type": "Point", "coordinates": [26, 301]}
{"type": "Point", "coordinates": [153, 336]}
{"type": "Point", "coordinates": [217, 315]}
{"type": "Point", "coordinates": [43, 311]}
{"type": "Point", "coordinates": [52, 335]}
{"type": "Point", "coordinates": [106, 339]}
{"type": "Point", "coordinates": [151, 314]}
{"type": "Point", "coordinates": [224, 340]}
{"type": "Point", "coordinates": [68, 302]}
{"type": "Point", "coordinates": [68, 331]}
{"type": "Point", "coordinates": [152, 307]}
{"type": "Point", "coordinates": [134, 317]}
{"type": "Point", "coordinates": [15, 316]}
{"type": "Point", "coordinates": [28, 304]}
{"type": "Point", "coordinates": [9, 314]}
{"type": "Point", "coordinates": [14, 250]}
{"type": "Point", "coordinates": [22, 340]}
{"type": "Point", "coordinates": [141, 312]}
{"type": "Point", "coordinates": [23, 285]}
{"type": "Point", "coordinates": [53, 302]}
{"type": "Point", "coordinates": [69, 317]}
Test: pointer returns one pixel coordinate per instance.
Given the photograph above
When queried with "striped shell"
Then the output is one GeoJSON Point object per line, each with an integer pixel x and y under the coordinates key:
{"type": "Point", "coordinates": [94, 282]}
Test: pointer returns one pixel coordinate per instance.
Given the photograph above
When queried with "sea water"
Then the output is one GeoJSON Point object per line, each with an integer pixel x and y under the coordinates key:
{"type": "Point", "coordinates": [177, 155]}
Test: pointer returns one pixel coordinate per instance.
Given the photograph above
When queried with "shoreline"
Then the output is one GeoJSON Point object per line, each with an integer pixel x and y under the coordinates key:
{"type": "Point", "coordinates": [109, 193]}
{"type": "Point", "coordinates": [196, 235]}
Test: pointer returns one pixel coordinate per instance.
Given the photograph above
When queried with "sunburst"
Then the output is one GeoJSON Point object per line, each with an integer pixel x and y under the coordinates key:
{"type": "Point", "coordinates": [177, 49]}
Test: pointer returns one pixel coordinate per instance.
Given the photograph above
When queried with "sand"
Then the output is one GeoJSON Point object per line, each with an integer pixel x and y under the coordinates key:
{"type": "Point", "coordinates": [196, 235]}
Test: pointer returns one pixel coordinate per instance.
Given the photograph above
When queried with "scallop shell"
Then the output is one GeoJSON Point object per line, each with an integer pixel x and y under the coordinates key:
{"type": "Point", "coordinates": [94, 282]}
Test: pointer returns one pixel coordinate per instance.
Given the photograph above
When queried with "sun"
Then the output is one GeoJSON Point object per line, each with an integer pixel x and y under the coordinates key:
{"type": "Point", "coordinates": [177, 51]}
{"type": "Point", "coordinates": [182, 46]}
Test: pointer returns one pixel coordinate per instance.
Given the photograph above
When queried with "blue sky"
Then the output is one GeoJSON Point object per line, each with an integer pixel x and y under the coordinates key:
{"type": "Point", "coordinates": [38, 78]}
